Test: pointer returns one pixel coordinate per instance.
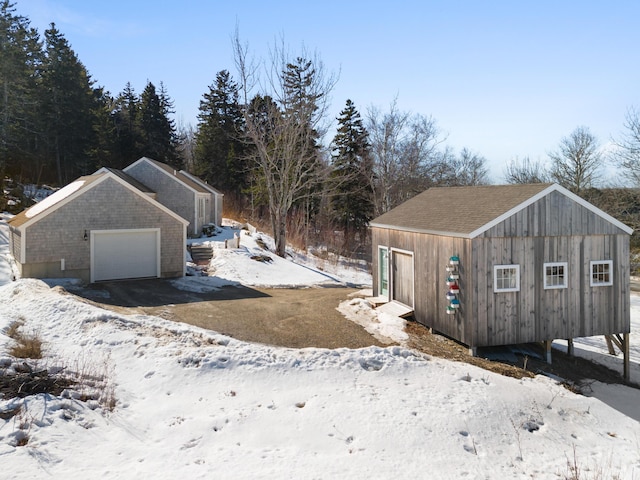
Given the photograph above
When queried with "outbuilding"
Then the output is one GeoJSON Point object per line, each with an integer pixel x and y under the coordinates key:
{"type": "Point", "coordinates": [105, 226]}
{"type": "Point", "coordinates": [502, 265]}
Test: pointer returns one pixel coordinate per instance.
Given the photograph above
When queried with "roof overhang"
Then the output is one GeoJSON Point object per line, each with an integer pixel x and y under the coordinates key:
{"type": "Point", "coordinates": [88, 186]}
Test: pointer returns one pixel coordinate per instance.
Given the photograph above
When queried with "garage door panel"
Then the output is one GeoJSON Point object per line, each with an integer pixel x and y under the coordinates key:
{"type": "Point", "coordinates": [125, 254]}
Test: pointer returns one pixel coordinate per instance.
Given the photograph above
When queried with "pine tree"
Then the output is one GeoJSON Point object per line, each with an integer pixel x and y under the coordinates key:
{"type": "Point", "coordinates": [67, 105]}
{"type": "Point", "coordinates": [20, 59]}
{"type": "Point", "coordinates": [126, 115]}
{"type": "Point", "coordinates": [104, 149]}
{"type": "Point", "coordinates": [157, 131]}
{"type": "Point", "coordinates": [300, 108]}
{"type": "Point", "coordinates": [352, 200]}
{"type": "Point", "coordinates": [219, 151]}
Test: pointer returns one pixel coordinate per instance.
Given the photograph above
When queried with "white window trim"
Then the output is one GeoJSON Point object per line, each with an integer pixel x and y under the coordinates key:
{"type": "Point", "coordinates": [495, 278]}
{"type": "Point", "coordinates": [564, 265]}
{"type": "Point", "coordinates": [601, 262]}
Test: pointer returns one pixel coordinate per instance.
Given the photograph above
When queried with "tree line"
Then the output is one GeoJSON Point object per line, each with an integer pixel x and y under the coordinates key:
{"type": "Point", "coordinates": [260, 138]}
{"type": "Point", "coordinates": [56, 124]}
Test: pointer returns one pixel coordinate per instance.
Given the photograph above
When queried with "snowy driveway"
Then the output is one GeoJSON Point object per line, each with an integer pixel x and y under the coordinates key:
{"type": "Point", "coordinates": [297, 318]}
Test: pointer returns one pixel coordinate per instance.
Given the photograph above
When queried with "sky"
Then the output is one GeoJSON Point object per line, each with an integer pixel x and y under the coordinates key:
{"type": "Point", "coordinates": [504, 79]}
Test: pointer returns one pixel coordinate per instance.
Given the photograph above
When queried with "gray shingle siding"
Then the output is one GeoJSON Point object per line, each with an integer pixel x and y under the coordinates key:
{"type": "Point", "coordinates": [108, 205]}
{"type": "Point", "coordinates": [170, 192]}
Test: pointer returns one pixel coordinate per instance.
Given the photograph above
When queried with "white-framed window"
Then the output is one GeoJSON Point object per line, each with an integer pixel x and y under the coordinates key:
{"type": "Point", "coordinates": [601, 273]}
{"type": "Point", "coordinates": [506, 278]}
{"type": "Point", "coordinates": [555, 275]}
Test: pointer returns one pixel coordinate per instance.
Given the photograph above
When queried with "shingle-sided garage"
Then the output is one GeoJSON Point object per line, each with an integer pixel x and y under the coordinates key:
{"type": "Point", "coordinates": [99, 227]}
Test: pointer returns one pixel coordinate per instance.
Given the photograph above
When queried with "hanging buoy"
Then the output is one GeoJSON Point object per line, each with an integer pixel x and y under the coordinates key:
{"type": "Point", "coordinates": [450, 310]}
{"type": "Point", "coordinates": [454, 288]}
{"type": "Point", "coordinates": [454, 260]}
{"type": "Point", "coordinates": [455, 303]}
{"type": "Point", "coordinates": [450, 296]}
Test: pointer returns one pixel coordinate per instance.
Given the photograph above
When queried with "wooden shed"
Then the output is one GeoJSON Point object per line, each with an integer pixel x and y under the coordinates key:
{"type": "Point", "coordinates": [502, 265]}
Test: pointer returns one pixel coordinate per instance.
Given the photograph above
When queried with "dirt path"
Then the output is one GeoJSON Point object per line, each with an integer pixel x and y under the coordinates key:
{"type": "Point", "coordinates": [285, 317]}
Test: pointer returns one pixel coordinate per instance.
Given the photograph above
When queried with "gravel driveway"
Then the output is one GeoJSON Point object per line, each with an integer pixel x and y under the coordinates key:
{"type": "Point", "coordinates": [286, 317]}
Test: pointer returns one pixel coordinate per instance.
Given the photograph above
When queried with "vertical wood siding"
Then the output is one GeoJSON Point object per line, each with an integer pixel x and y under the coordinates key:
{"type": "Point", "coordinates": [535, 313]}
{"type": "Point", "coordinates": [554, 229]}
{"type": "Point", "coordinates": [553, 215]}
{"type": "Point", "coordinates": [431, 255]}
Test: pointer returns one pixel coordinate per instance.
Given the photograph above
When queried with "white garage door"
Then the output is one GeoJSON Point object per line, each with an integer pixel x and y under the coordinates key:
{"type": "Point", "coordinates": [120, 254]}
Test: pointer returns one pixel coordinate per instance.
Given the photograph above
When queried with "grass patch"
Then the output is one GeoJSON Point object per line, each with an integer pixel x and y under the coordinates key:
{"type": "Point", "coordinates": [87, 380]}
{"type": "Point", "coordinates": [28, 346]}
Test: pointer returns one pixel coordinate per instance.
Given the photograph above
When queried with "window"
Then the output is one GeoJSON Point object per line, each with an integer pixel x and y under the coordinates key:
{"type": "Point", "coordinates": [601, 273]}
{"type": "Point", "coordinates": [506, 278]}
{"type": "Point", "coordinates": [555, 275]}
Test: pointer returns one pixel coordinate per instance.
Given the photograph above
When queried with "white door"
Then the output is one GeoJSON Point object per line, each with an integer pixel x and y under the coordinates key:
{"type": "Point", "coordinates": [121, 254]}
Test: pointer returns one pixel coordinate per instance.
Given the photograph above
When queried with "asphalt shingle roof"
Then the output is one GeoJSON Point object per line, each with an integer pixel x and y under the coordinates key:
{"type": "Point", "coordinates": [457, 210]}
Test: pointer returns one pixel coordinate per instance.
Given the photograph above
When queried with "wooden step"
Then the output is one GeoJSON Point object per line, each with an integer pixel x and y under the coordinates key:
{"type": "Point", "coordinates": [396, 309]}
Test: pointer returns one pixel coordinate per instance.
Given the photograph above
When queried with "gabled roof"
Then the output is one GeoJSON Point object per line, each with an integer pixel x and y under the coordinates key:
{"type": "Point", "coordinates": [178, 175]}
{"type": "Point", "coordinates": [74, 190]}
{"type": "Point", "coordinates": [202, 183]}
{"type": "Point", "coordinates": [127, 178]}
{"type": "Point", "coordinates": [469, 211]}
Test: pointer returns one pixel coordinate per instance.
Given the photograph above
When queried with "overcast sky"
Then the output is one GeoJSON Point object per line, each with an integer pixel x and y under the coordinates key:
{"type": "Point", "coordinates": [506, 79]}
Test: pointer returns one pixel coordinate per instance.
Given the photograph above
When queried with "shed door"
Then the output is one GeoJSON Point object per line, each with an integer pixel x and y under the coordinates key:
{"type": "Point", "coordinates": [402, 280]}
{"type": "Point", "coordinates": [121, 254]}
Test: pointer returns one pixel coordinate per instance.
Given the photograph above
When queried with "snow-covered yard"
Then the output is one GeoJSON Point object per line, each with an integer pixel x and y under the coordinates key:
{"type": "Point", "coordinates": [195, 404]}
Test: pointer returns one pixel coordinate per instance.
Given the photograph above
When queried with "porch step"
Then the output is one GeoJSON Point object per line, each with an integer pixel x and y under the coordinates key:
{"type": "Point", "coordinates": [201, 254]}
{"type": "Point", "coordinates": [375, 302]}
{"type": "Point", "coordinates": [396, 309]}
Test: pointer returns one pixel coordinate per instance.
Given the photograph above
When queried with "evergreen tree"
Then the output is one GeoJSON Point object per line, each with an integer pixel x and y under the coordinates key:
{"type": "Point", "coordinates": [300, 108]}
{"type": "Point", "coordinates": [157, 131]}
{"type": "Point", "coordinates": [127, 113]}
{"type": "Point", "coordinates": [352, 200]}
{"type": "Point", "coordinates": [20, 58]}
{"type": "Point", "coordinates": [104, 149]}
{"type": "Point", "coordinates": [67, 106]}
{"type": "Point", "coordinates": [219, 151]}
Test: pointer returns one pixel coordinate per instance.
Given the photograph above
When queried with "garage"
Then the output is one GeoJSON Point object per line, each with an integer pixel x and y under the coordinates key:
{"type": "Point", "coordinates": [122, 254]}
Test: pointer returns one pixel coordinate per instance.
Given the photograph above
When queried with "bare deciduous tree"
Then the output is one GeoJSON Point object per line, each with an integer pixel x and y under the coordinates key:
{"type": "Point", "coordinates": [404, 148]}
{"type": "Point", "coordinates": [525, 171]}
{"type": "Point", "coordinates": [284, 122]}
{"type": "Point", "coordinates": [470, 169]}
{"type": "Point", "coordinates": [576, 163]}
{"type": "Point", "coordinates": [627, 155]}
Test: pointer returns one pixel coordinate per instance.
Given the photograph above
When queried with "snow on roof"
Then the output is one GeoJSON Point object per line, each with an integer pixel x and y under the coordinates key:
{"type": "Point", "coordinates": [51, 200]}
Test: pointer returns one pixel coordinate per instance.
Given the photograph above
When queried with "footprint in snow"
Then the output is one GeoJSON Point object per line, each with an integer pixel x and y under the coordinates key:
{"type": "Point", "coordinates": [371, 365]}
